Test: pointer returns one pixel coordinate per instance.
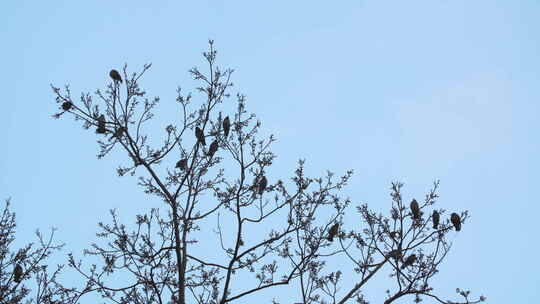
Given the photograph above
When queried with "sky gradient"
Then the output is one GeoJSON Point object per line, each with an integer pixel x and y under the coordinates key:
{"type": "Point", "coordinates": [412, 91]}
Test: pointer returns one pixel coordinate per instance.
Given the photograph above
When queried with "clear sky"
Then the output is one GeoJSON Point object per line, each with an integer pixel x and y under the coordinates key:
{"type": "Point", "coordinates": [396, 90]}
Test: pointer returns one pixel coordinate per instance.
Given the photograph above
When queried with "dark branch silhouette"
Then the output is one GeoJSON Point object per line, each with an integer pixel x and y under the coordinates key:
{"type": "Point", "coordinates": [25, 276]}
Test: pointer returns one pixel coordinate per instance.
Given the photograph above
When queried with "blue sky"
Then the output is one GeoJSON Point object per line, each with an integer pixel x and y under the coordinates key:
{"type": "Point", "coordinates": [411, 91]}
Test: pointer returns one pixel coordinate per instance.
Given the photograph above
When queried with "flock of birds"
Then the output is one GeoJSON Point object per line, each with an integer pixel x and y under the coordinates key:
{"type": "Point", "coordinates": [261, 183]}
{"type": "Point", "coordinates": [416, 214]}
{"type": "Point", "coordinates": [454, 217]}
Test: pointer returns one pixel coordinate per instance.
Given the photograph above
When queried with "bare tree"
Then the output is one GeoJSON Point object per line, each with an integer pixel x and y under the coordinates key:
{"type": "Point", "coordinates": [269, 233]}
{"type": "Point", "coordinates": [26, 268]}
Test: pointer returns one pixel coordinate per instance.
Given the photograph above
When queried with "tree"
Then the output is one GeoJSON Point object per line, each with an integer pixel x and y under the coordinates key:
{"type": "Point", "coordinates": [26, 267]}
{"type": "Point", "coordinates": [160, 255]}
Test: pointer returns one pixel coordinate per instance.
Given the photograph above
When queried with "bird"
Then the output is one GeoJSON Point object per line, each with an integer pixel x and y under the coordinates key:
{"type": "Point", "coordinates": [332, 232]}
{"type": "Point", "coordinates": [226, 126]}
{"type": "Point", "coordinates": [17, 273]}
{"type": "Point", "coordinates": [436, 218]}
{"type": "Point", "coordinates": [396, 254]}
{"type": "Point", "coordinates": [115, 75]}
{"type": "Point", "coordinates": [119, 132]}
{"type": "Point", "coordinates": [456, 221]}
{"type": "Point", "coordinates": [66, 106]}
{"type": "Point", "coordinates": [415, 209]}
{"type": "Point", "coordinates": [262, 184]}
{"type": "Point", "coordinates": [409, 261]}
{"type": "Point", "coordinates": [101, 125]}
{"type": "Point", "coordinates": [200, 136]}
{"type": "Point", "coordinates": [213, 148]}
{"type": "Point", "coordinates": [182, 164]}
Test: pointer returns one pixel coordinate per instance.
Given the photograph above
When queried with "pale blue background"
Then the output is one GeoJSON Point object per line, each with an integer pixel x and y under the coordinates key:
{"type": "Point", "coordinates": [397, 90]}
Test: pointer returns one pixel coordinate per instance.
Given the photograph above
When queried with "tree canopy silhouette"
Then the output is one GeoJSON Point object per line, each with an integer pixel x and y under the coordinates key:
{"type": "Point", "coordinates": [267, 234]}
{"type": "Point", "coordinates": [26, 267]}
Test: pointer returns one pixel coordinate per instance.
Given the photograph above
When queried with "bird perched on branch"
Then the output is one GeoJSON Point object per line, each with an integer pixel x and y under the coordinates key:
{"type": "Point", "coordinates": [456, 221]}
{"type": "Point", "coordinates": [115, 75]}
{"type": "Point", "coordinates": [213, 148]}
{"type": "Point", "coordinates": [226, 126]}
{"type": "Point", "coordinates": [436, 218]}
{"type": "Point", "coordinates": [200, 136]}
{"type": "Point", "coordinates": [119, 132]}
{"type": "Point", "coordinates": [182, 164]}
{"type": "Point", "coordinates": [262, 185]}
{"type": "Point", "coordinates": [409, 261]}
{"type": "Point", "coordinates": [101, 125]}
{"type": "Point", "coordinates": [333, 232]}
{"type": "Point", "coordinates": [17, 273]}
{"type": "Point", "coordinates": [415, 209]}
{"type": "Point", "coordinates": [396, 254]}
{"type": "Point", "coordinates": [66, 106]}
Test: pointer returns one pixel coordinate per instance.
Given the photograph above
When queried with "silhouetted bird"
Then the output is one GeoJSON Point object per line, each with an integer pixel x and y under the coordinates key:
{"type": "Point", "coordinates": [66, 106]}
{"type": "Point", "coordinates": [17, 273]}
{"type": "Point", "coordinates": [226, 126]}
{"type": "Point", "coordinates": [262, 184]}
{"type": "Point", "coordinates": [115, 75]}
{"type": "Point", "coordinates": [240, 241]}
{"type": "Point", "coordinates": [101, 125]}
{"type": "Point", "coordinates": [333, 232]}
{"type": "Point", "coordinates": [182, 164]}
{"type": "Point", "coordinates": [119, 132]}
{"type": "Point", "coordinates": [396, 254]}
{"type": "Point", "coordinates": [436, 218]}
{"type": "Point", "coordinates": [415, 209]}
{"type": "Point", "coordinates": [213, 148]}
{"type": "Point", "coordinates": [456, 221]}
{"type": "Point", "coordinates": [200, 136]}
{"type": "Point", "coordinates": [409, 261]}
